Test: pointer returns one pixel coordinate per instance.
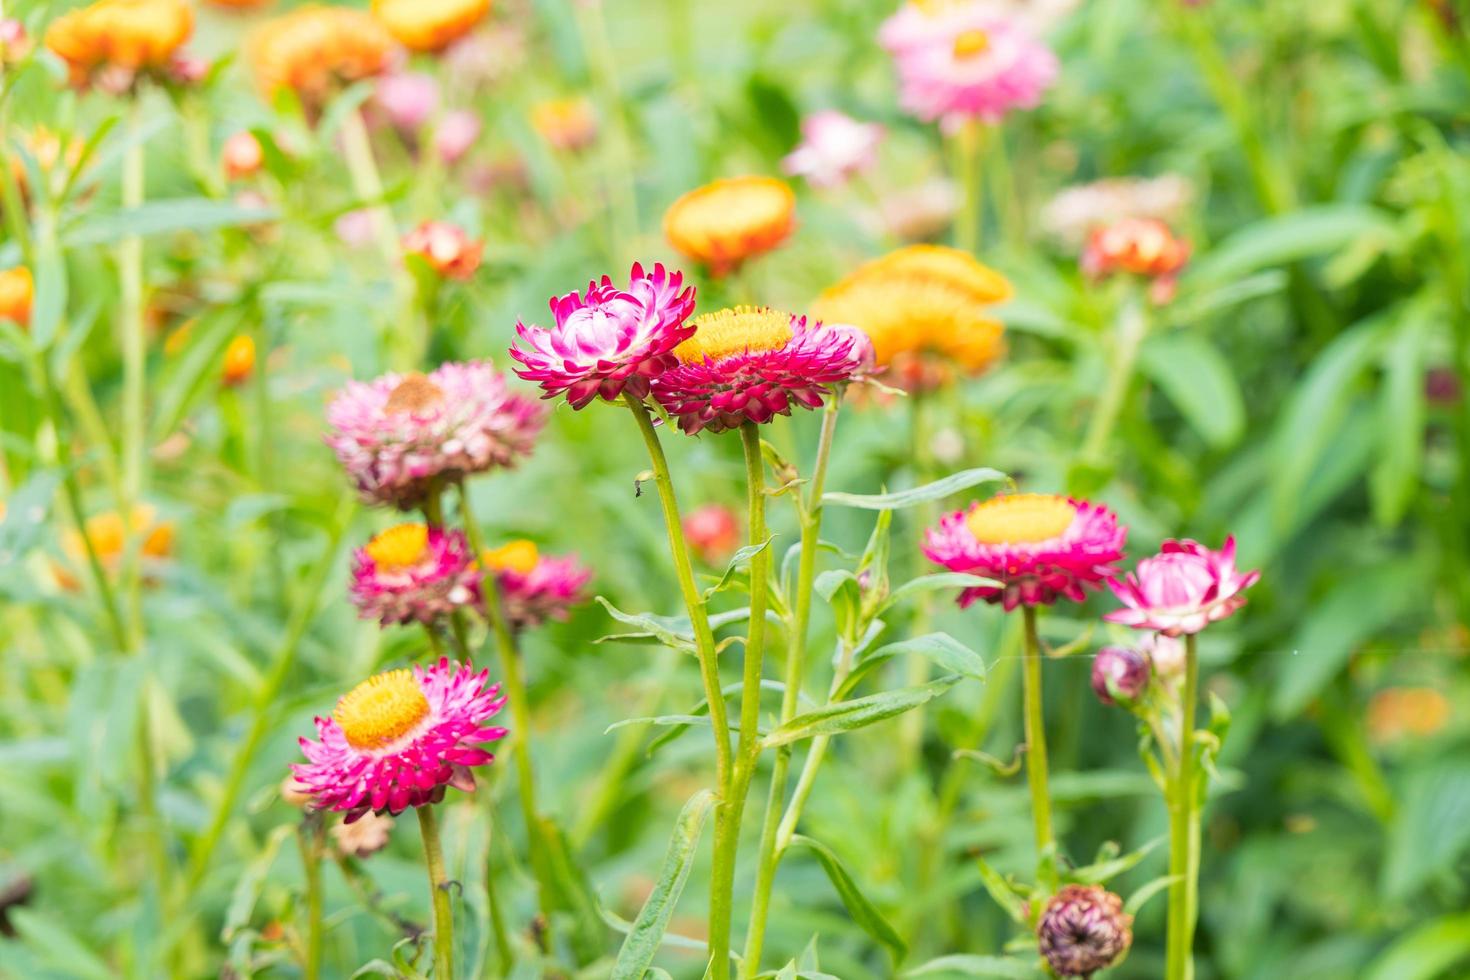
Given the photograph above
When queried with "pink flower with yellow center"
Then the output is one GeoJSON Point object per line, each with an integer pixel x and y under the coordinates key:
{"type": "Point", "coordinates": [965, 60]}
{"type": "Point", "coordinates": [400, 435]}
{"type": "Point", "coordinates": [834, 146]}
{"type": "Point", "coordinates": [413, 572]}
{"type": "Point", "coordinates": [399, 738]}
{"type": "Point", "coordinates": [749, 364]}
{"type": "Point", "coordinates": [1182, 589]}
{"type": "Point", "coordinates": [535, 587]}
{"type": "Point", "coordinates": [1038, 547]}
{"type": "Point", "coordinates": [608, 340]}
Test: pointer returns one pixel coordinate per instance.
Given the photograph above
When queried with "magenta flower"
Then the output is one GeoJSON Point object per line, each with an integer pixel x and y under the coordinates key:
{"type": "Point", "coordinates": [834, 146]}
{"type": "Point", "coordinates": [399, 435]}
{"type": "Point", "coordinates": [1120, 673]}
{"type": "Point", "coordinates": [966, 61]}
{"type": "Point", "coordinates": [749, 364]}
{"type": "Point", "coordinates": [1037, 547]}
{"type": "Point", "coordinates": [399, 738]}
{"type": "Point", "coordinates": [1182, 589]}
{"type": "Point", "coordinates": [609, 341]}
{"type": "Point", "coordinates": [413, 572]}
{"type": "Point", "coordinates": [536, 587]}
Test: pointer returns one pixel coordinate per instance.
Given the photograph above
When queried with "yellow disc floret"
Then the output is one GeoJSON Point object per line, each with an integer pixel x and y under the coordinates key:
{"type": "Point", "coordinates": [415, 393]}
{"type": "Point", "coordinates": [735, 331]}
{"type": "Point", "coordinates": [1023, 518]}
{"type": "Point", "coordinates": [516, 556]}
{"type": "Point", "coordinates": [970, 43]}
{"type": "Point", "coordinates": [399, 547]}
{"type": "Point", "coordinates": [381, 710]}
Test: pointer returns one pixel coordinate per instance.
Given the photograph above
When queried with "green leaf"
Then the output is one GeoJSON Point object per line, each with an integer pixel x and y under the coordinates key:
{"type": "Point", "coordinates": [863, 912]}
{"type": "Point", "coordinates": [1431, 829]}
{"type": "Point", "coordinates": [931, 583]}
{"type": "Point", "coordinates": [1302, 234]}
{"type": "Point", "coordinates": [58, 946]}
{"type": "Point", "coordinates": [1140, 898]}
{"type": "Point", "coordinates": [1356, 608]}
{"type": "Point", "coordinates": [642, 942]}
{"type": "Point", "coordinates": [252, 881]}
{"type": "Point", "coordinates": [1101, 871]}
{"type": "Point", "coordinates": [1199, 382]}
{"type": "Point", "coordinates": [845, 716]}
{"type": "Point", "coordinates": [1005, 896]}
{"type": "Point", "coordinates": [49, 307]}
{"type": "Point", "coordinates": [671, 631]}
{"type": "Point", "coordinates": [978, 966]}
{"type": "Point", "coordinates": [162, 217]}
{"type": "Point", "coordinates": [942, 648]}
{"type": "Point", "coordinates": [937, 490]}
{"type": "Point", "coordinates": [1427, 953]}
{"type": "Point", "coordinates": [1400, 423]}
{"type": "Point", "coordinates": [738, 561]}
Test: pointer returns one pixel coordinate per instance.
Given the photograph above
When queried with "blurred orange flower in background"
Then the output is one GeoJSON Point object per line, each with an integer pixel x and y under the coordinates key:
{"type": "Point", "coordinates": [242, 155]}
{"type": "Point", "coordinates": [133, 35]}
{"type": "Point", "coordinates": [239, 360]}
{"type": "Point", "coordinates": [1398, 712]}
{"type": "Point", "coordinates": [446, 248]}
{"type": "Point", "coordinates": [430, 25]}
{"type": "Point", "coordinates": [724, 223]}
{"type": "Point", "coordinates": [566, 124]}
{"type": "Point", "coordinates": [108, 538]}
{"type": "Point", "coordinates": [313, 49]}
{"type": "Point", "coordinates": [17, 290]}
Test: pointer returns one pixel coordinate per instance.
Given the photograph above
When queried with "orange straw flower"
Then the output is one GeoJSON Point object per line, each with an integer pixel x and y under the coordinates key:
{"type": "Point", "coordinates": [16, 292]}
{"type": "Point", "coordinates": [430, 25]}
{"type": "Point", "coordinates": [128, 35]}
{"type": "Point", "coordinates": [312, 50]}
{"type": "Point", "coordinates": [726, 222]}
{"type": "Point", "coordinates": [239, 360]}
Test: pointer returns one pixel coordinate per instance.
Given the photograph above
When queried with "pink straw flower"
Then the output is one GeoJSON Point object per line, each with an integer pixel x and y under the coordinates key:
{"type": "Point", "coordinates": [834, 146]}
{"type": "Point", "coordinates": [456, 133]}
{"type": "Point", "coordinates": [407, 100]}
{"type": "Point", "coordinates": [399, 738]}
{"type": "Point", "coordinates": [965, 61]}
{"type": "Point", "coordinates": [1039, 547]}
{"type": "Point", "coordinates": [413, 572]}
{"type": "Point", "coordinates": [536, 587]}
{"type": "Point", "coordinates": [748, 364]}
{"type": "Point", "coordinates": [609, 340]}
{"type": "Point", "coordinates": [400, 434]}
{"type": "Point", "coordinates": [1182, 589]}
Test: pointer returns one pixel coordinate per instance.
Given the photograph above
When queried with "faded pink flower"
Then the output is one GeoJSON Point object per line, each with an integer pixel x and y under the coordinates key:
{"type": "Point", "coordinates": [407, 100]}
{"type": "Point", "coordinates": [609, 340]}
{"type": "Point", "coordinates": [364, 837]}
{"type": "Point", "coordinates": [399, 738]}
{"type": "Point", "coordinates": [355, 228]}
{"type": "Point", "coordinates": [457, 132]}
{"type": "Point", "coordinates": [1182, 589]}
{"type": "Point", "coordinates": [834, 146]}
{"type": "Point", "coordinates": [413, 572]}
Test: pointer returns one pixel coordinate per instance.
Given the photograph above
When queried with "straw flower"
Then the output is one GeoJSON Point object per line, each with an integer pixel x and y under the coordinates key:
{"type": "Point", "coordinates": [1038, 547]}
{"type": "Point", "coordinates": [315, 50]}
{"type": "Point", "coordinates": [568, 125]}
{"type": "Point", "coordinates": [1119, 674]}
{"type": "Point", "coordinates": [109, 537]}
{"type": "Point", "coordinates": [399, 738]}
{"type": "Point", "coordinates": [430, 25]}
{"type": "Point", "coordinates": [363, 837]}
{"type": "Point", "coordinates": [17, 291]}
{"type": "Point", "coordinates": [535, 587]}
{"type": "Point", "coordinates": [242, 155]}
{"type": "Point", "coordinates": [834, 146]}
{"type": "Point", "coordinates": [1182, 589]}
{"type": "Point", "coordinates": [126, 37]}
{"type": "Point", "coordinates": [1084, 929]}
{"type": "Point", "coordinates": [713, 531]}
{"type": "Point", "coordinates": [413, 572]}
{"type": "Point", "coordinates": [446, 248]}
{"type": "Point", "coordinates": [749, 364]}
{"type": "Point", "coordinates": [1139, 246]}
{"type": "Point", "coordinates": [723, 224]}
{"type": "Point", "coordinates": [239, 360]}
{"type": "Point", "coordinates": [608, 340]}
{"type": "Point", "coordinates": [400, 435]}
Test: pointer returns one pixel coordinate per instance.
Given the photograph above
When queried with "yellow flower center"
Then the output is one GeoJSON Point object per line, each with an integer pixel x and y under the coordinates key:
{"type": "Point", "coordinates": [1022, 518]}
{"type": "Point", "coordinates": [399, 547]}
{"type": "Point", "coordinates": [735, 331]}
{"type": "Point", "coordinates": [415, 393]}
{"type": "Point", "coordinates": [971, 43]}
{"type": "Point", "coordinates": [516, 556]}
{"type": "Point", "coordinates": [381, 710]}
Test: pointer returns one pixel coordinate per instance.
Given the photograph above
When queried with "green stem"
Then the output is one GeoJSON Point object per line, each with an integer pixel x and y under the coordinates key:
{"type": "Point", "coordinates": [1184, 831]}
{"type": "Point", "coordinates": [134, 358]}
{"type": "Point", "coordinates": [1132, 328]}
{"type": "Point", "coordinates": [1035, 726]}
{"type": "Point", "coordinates": [732, 807]}
{"type": "Point", "coordinates": [309, 835]}
{"type": "Point", "coordinates": [622, 191]}
{"type": "Point", "coordinates": [916, 669]}
{"type": "Point", "coordinates": [492, 896]}
{"type": "Point", "coordinates": [704, 642]}
{"type": "Point", "coordinates": [439, 892]}
{"type": "Point", "coordinates": [357, 149]}
{"type": "Point", "coordinates": [768, 856]}
{"type": "Point", "coordinates": [968, 144]}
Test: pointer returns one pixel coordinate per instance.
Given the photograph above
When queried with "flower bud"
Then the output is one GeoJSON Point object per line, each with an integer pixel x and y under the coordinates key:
{"type": "Point", "coordinates": [408, 100]}
{"type": "Point", "coordinates": [239, 360]}
{"type": "Point", "coordinates": [1083, 930]}
{"type": "Point", "coordinates": [17, 289]}
{"type": "Point", "coordinates": [446, 248]}
{"type": "Point", "coordinates": [713, 532]}
{"type": "Point", "coordinates": [1119, 674]}
{"type": "Point", "coordinates": [456, 134]}
{"type": "Point", "coordinates": [363, 837]}
{"type": "Point", "coordinates": [242, 155]}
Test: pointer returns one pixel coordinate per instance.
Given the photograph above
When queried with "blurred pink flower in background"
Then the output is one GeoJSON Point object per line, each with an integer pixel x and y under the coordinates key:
{"type": "Point", "coordinates": [407, 100]}
{"type": "Point", "coordinates": [536, 587]}
{"type": "Point", "coordinates": [1075, 212]}
{"type": "Point", "coordinates": [355, 228]}
{"type": "Point", "coordinates": [457, 133]}
{"type": "Point", "coordinates": [14, 44]}
{"type": "Point", "coordinates": [713, 531]}
{"type": "Point", "coordinates": [446, 247]}
{"type": "Point", "coordinates": [834, 146]}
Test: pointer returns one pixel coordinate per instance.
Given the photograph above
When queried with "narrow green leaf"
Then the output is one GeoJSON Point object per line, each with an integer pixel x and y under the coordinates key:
{"type": "Point", "coordinates": [1400, 423]}
{"type": "Point", "coordinates": [863, 912]}
{"type": "Point", "coordinates": [1140, 898]}
{"type": "Point", "coordinates": [1303, 234]}
{"type": "Point", "coordinates": [251, 881]}
{"type": "Point", "coordinates": [942, 648]}
{"type": "Point", "coordinates": [845, 716]}
{"type": "Point", "coordinates": [1101, 871]}
{"type": "Point", "coordinates": [937, 490]}
{"type": "Point", "coordinates": [978, 966]}
{"type": "Point", "coordinates": [670, 631]}
{"type": "Point", "coordinates": [1199, 382]}
{"type": "Point", "coordinates": [58, 946]}
{"type": "Point", "coordinates": [1432, 827]}
{"type": "Point", "coordinates": [931, 583]}
{"type": "Point", "coordinates": [643, 941]}
{"type": "Point", "coordinates": [737, 561]}
{"type": "Point", "coordinates": [162, 217]}
{"type": "Point", "coordinates": [1005, 896]}
{"type": "Point", "coordinates": [1426, 953]}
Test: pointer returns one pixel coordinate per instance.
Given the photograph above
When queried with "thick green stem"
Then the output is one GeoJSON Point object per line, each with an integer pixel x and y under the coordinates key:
{"type": "Point", "coordinates": [969, 141]}
{"type": "Point", "coordinates": [1035, 725]}
{"type": "Point", "coordinates": [309, 835]}
{"type": "Point", "coordinates": [439, 892]}
{"type": "Point", "coordinates": [916, 669]}
{"type": "Point", "coordinates": [1184, 831]}
{"type": "Point", "coordinates": [732, 807]}
{"type": "Point", "coordinates": [769, 856]}
{"type": "Point", "coordinates": [1132, 327]}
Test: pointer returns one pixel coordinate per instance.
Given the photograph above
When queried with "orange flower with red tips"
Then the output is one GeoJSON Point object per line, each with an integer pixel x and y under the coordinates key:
{"type": "Point", "coordinates": [127, 35]}
{"type": "Point", "coordinates": [17, 290]}
{"type": "Point", "coordinates": [430, 25]}
{"type": "Point", "coordinates": [722, 224]}
{"type": "Point", "coordinates": [1140, 246]}
{"type": "Point", "coordinates": [446, 248]}
{"type": "Point", "coordinates": [314, 50]}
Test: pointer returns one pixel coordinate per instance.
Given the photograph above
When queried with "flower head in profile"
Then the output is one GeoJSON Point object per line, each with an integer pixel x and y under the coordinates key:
{"type": "Point", "coordinates": [17, 291]}
{"type": "Point", "coordinates": [1182, 589]}
{"type": "Point", "coordinates": [314, 51]}
{"type": "Point", "coordinates": [925, 308]}
{"type": "Point", "coordinates": [120, 39]}
{"type": "Point", "coordinates": [446, 248]}
{"type": "Point", "coordinates": [1037, 547]}
{"type": "Point", "coordinates": [430, 25]}
{"type": "Point", "coordinates": [834, 146]}
{"type": "Point", "coordinates": [608, 340]}
{"type": "Point", "coordinates": [399, 738]}
{"type": "Point", "coordinates": [535, 587]}
{"type": "Point", "coordinates": [1083, 930]}
{"type": "Point", "coordinates": [407, 100]}
{"type": "Point", "coordinates": [568, 125]}
{"type": "Point", "coordinates": [965, 60]}
{"type": "Point", "coordinates": [1119, 674]}
{"type": "Point", "coordinates": [398, 435]}
{"type": "Point", "coordinates": [723, 224]}
{"type": "Point", "coordinates": [1140, 246]}
{"type": "Point", "coordinates": [750, 364]}
{"type": "Point", "coordinates": [413, 572]}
